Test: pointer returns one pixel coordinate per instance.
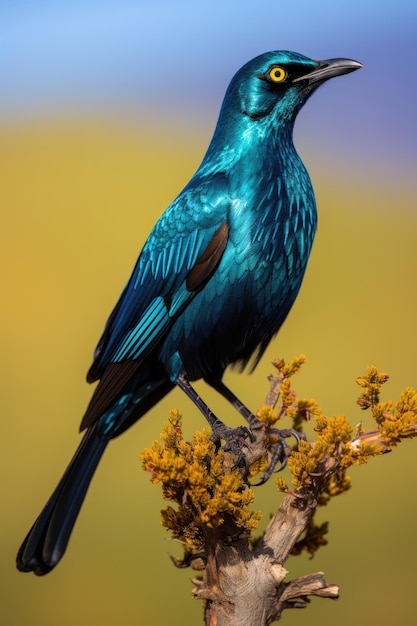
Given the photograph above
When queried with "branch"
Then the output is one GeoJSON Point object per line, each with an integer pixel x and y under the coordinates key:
{"type": "Point", "coordinates": [244, 583]}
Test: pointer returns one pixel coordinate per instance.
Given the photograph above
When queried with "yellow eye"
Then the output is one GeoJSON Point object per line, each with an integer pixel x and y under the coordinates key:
{"type": "Point", "coordinates": [277, 74]}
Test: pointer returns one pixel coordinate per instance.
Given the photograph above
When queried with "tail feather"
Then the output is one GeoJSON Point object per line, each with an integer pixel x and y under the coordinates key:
{"type": "Point", "coordinates": [48, 538]}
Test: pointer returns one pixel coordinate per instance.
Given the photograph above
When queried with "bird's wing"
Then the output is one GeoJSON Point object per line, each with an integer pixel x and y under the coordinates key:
{"type": "Point", "coordinates": [167, 298]}
{"type": "Point", "coordinates": [180, 255]}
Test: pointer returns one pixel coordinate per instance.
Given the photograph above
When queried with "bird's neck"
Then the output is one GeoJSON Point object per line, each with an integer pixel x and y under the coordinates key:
{"type": "Point", "coordinates": [259, 145]}
{"type": "Point", "coordinates": [258, 169]}
{"type": "Point", "coordinates": [256, 156]}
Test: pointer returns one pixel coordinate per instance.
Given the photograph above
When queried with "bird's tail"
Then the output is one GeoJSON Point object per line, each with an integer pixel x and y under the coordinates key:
{"type": "Point", "coordinates": [47, 540]}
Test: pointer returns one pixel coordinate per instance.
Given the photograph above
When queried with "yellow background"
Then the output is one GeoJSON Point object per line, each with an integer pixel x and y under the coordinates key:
{"type": "Point", "coordinates": [78, 200]}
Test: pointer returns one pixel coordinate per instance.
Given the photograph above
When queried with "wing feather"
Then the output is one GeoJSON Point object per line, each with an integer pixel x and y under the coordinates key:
{"type": "Point", "coordinates": [147, 309]}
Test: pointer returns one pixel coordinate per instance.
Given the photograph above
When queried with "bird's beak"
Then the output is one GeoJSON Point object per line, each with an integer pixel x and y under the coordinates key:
{"type": "Point", "coordinates": [329, 69]}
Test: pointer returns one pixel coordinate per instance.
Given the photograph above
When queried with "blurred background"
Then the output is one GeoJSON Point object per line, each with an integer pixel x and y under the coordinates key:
{"type": "Point", "coordinates": [106, 110]}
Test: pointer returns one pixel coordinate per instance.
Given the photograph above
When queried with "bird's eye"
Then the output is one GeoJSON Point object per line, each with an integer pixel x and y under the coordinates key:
{"type": "Point", "coordinates": [277, 74]}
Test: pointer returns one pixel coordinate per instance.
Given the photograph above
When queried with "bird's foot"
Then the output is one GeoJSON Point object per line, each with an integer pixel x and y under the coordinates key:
{"type": "Point", "coordinates": [279, 451]}
{"type": "Point", "coordinates": [235, 440]}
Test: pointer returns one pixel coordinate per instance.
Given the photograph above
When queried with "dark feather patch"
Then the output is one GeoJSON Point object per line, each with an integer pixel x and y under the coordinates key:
{"type": "Point", "coordinates": [114, 378]}
{"type": "Point", "coordinates": [208, 261]}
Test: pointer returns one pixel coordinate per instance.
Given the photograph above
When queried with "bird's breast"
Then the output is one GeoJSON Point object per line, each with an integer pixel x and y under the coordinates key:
{"type": "Point", "coordinates": [254, 286]}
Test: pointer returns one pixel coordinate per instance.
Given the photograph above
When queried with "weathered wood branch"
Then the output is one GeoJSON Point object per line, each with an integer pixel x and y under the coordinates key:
{"type": "Point", "coordinates": [244, 587]}
{"type": "Point", "coordinates": [245, 584]}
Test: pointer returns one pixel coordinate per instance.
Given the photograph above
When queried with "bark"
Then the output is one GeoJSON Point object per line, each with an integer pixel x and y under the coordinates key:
{"type": "Point", "coordinates": [248, 585]}
{"type": "Point", "coordinates": [242, 586]}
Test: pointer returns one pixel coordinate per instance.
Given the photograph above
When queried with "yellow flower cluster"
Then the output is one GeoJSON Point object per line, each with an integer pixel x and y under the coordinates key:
{"type": "Point", "coordinates": [299, 411]}
{"type": "Point", "coordinates": [192, 475]}
{"type": "Point", "coordinates": [320, 466]}
{"type": "Point", "coordinates": [395, 421]}
{"type": "Point", "coordinates": [289, 369]}
{"type": "Point", "coordinates": [371, 383]}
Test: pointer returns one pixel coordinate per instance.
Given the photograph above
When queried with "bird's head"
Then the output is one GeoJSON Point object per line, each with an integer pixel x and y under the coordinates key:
{"type": "Point", "coordinates": [280, 82]}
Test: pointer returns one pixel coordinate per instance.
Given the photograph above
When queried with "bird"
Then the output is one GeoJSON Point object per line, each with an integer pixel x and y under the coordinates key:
{"type": "Point", "coordinates": [213, 283]}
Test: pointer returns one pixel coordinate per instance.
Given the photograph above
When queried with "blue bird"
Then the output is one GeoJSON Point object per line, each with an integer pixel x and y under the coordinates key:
{"type": "Point", "coordinates": [213, 284]}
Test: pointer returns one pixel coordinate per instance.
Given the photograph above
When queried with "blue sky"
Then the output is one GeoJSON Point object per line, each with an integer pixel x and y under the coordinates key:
{"type": "Point", "coordinates": [52, 51]}
{"type": "Point", "coordinates": [176, 59]}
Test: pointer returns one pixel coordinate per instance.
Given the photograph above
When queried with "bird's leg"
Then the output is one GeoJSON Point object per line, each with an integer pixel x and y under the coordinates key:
{"type": "Point", "coordinates": [280, 449]}
{"type": "Point", "coordinates": [234, 437]}
{"type": "Point", "coordinates": [227, 393]}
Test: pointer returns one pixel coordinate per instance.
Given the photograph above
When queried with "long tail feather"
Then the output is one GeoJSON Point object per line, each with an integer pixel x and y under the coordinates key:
{"type": "Point", "coordinates": [47, 540]}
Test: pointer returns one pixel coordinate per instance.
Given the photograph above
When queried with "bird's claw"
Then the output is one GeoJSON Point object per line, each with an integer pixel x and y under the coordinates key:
{"type": "Point", "coordinates": [279, 452]}
{"type": "Point", "coordinates": [235, 441]}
